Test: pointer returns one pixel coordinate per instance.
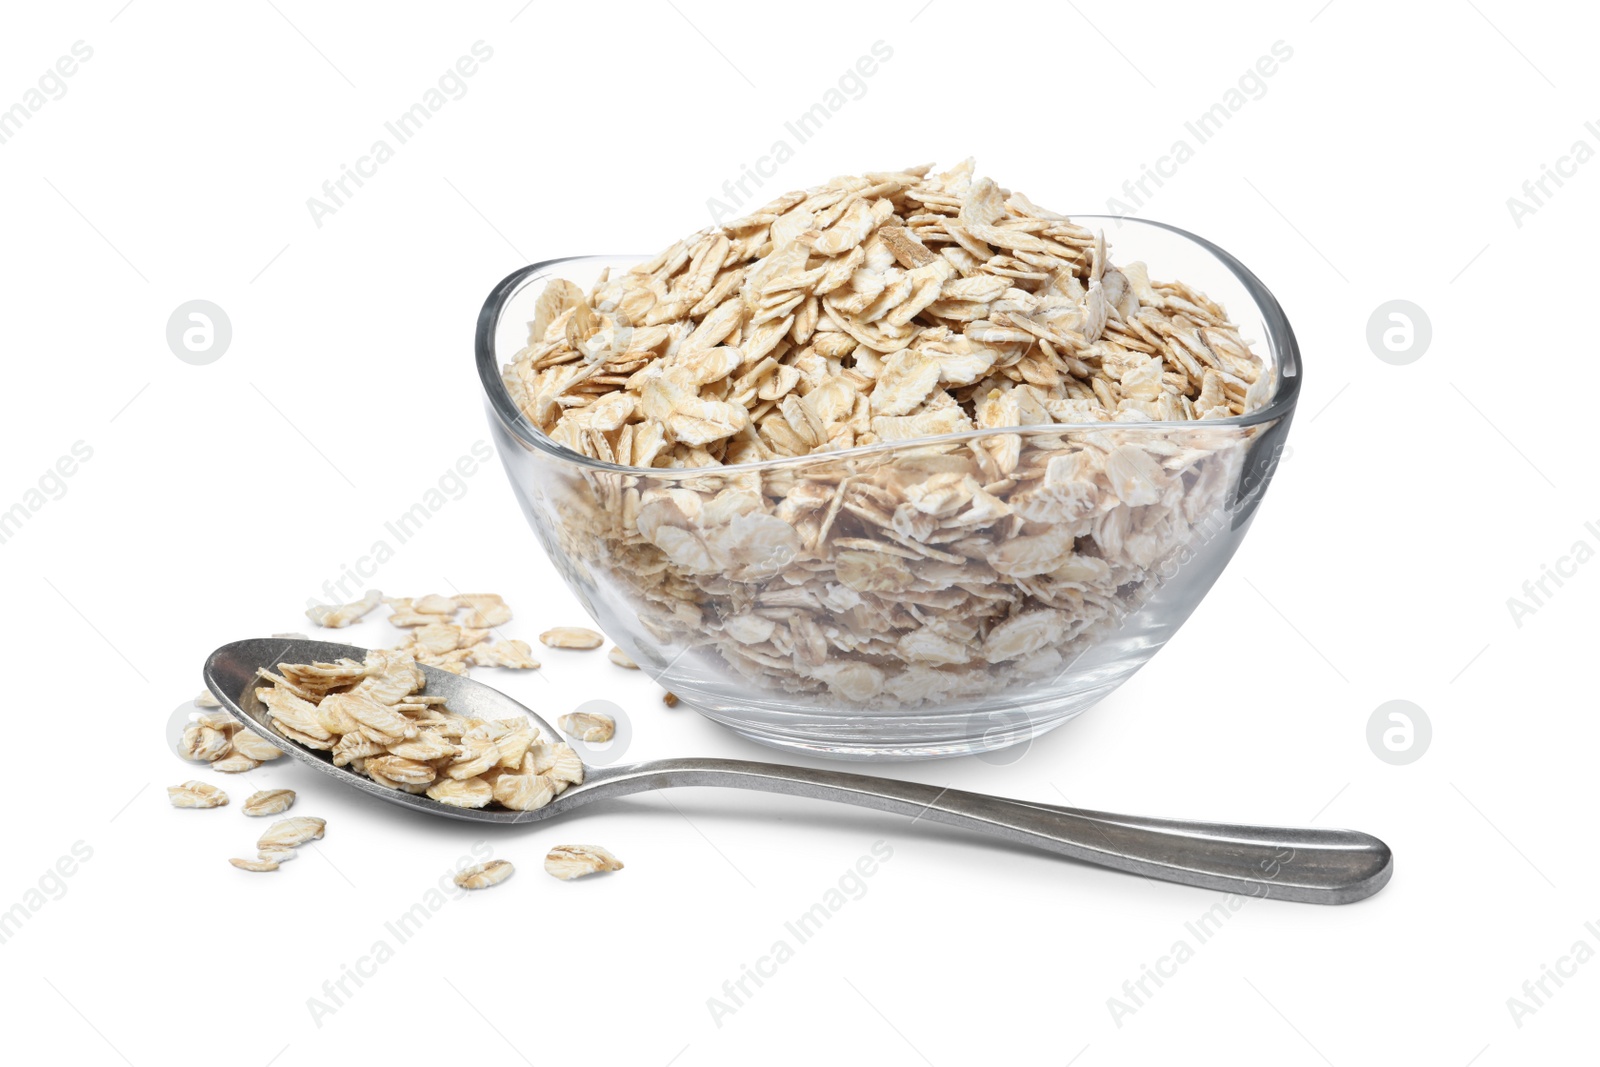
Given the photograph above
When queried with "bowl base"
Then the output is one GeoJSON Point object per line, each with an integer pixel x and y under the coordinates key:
{"type": "Point", "coordinates": [1001, 735]}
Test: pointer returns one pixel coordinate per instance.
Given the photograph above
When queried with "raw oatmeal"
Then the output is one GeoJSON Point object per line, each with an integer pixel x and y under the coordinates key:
{"type": "Point", "coordinates": [374, 717]}
{"type": "Point", "coordinates": [882, 310]}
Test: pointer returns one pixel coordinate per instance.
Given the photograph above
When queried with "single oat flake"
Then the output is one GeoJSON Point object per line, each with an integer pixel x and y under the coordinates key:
{"type": "Point", "coordinates": [514, 654]}
{"type": "Point", "coordinates": [201, 743]}
{"type": "Point", "coordinates": [524, 791]}
{"type": "Point", "coordinates": [258, 865]}
{"type": "Point", "coordinates": [575, 861]}
{"type": "Point", "coordinates": [344, 614]}
{"type": "Point", "coordinates": [484, 609]}
{"type": "Point", "coordinates": [473, 792]}
{"type": "Point", "coordinates": [621, 659]}
{"type": "Point", "coordinates": [572, 637]}
{"type": "Point", "coordinates": [268, 802]}
{"type": "Point", "coordinates": [194, 794]}
{"type": "Point", "coordinates": [292, 832]}
{"type": "Point", "coordinates": [588, 726]}
{"type": "Point", "coordinates": [235, 763]}
{"type": "Point", "coordinates": [484, 875]}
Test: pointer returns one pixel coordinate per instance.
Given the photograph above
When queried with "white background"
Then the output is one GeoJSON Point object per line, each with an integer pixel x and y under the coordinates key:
{"type": "Point", "coordinates": [1415, 501]}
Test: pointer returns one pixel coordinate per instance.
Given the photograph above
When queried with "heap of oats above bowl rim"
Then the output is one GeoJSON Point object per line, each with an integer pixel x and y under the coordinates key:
{"type": "Point", "coordinates": [900, 466]}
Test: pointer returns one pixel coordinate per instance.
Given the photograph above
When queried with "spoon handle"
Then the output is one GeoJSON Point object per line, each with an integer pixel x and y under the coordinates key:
{"type": "Point", "coordinates": [1314, 865]}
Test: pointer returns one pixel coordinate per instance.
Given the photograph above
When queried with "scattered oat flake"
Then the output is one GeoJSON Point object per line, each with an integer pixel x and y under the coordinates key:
{"type": "Point", "coordinates": [484, 609]}
{"type": "Point", "coordinates": [344, 614]}
{"type": "Point", "coordinates": [484, 875]}
{"type": "Point", "coordinates": [416, 618]}
{"type": "Point", "coordinates": [292, 832]}
{"type": "Point", "coordinates": [574, 861]}
{"type": "Point", "coordinates": [588, 726]}
{"type": "Point", "coordinates": [258, 865]}
{"type": "Point", "coordinates": [235, 763]}
{"type": "Point", "coordinates": [572, 637]}
{"type": "Point", "coordinates": [203, 744]}
{"type": "Point", "coordinates": [218, 720]}
{"type": "Point", "coordinates": [206, 700]}
{"type": "Point", "coordinates": [621, 659]}
{"type": "Point", "coordinates": [193, 794]}
{"type": "Point", "coordinates": [268, 802]}
{"type": "Point", "coordinates": [513, 653]}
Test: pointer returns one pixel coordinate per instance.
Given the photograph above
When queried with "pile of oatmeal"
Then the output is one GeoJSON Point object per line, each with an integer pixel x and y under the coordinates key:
{"type": "Point", "coordinates": [374, 717]}
{"type": "Point", "coordinates": [877, 310]}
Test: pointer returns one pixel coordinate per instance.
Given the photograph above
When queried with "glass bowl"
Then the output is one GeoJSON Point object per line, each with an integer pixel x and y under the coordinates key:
{"type": "Point", "coordinates": [803, 604]}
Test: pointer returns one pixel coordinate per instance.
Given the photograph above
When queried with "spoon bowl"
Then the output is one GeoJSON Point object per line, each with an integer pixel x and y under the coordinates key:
{"type": "Point", "coordinates": [232, 673]}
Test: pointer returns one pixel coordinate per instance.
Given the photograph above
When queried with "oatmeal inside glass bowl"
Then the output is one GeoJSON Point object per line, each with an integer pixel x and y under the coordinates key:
{"type": "Point", "coordinates": [898, 467]}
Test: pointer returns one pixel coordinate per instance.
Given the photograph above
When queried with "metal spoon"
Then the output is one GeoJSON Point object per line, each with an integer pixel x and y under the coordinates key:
{"type": "Point", "coordinates": [1314, 865]}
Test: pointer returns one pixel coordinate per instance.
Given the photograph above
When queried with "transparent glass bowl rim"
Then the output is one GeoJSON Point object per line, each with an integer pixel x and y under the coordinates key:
{"type": "Point", "coordinates": [1280, 339]}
